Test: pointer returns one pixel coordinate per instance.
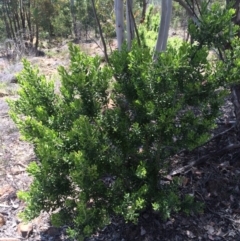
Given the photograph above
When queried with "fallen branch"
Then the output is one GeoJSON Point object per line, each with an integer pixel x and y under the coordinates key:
{"type": "Point", "coordinates": [203, 158]}
{"type": "Point", "coordinates": [215, 137]}
{"type": "Point", "coordinates": [189, 166]}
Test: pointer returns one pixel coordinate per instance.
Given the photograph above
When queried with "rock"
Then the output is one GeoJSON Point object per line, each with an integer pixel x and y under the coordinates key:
{"type": "Point", "coordinates": [2, 220]}
{"type": "Point", "coordinates": [25, 229]}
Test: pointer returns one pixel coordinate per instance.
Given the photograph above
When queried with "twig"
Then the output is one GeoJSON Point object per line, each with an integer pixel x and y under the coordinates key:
{"type": "Point", "coordinates": [226, 123]}
{"type": "Point", "coordinates": [135, 27]}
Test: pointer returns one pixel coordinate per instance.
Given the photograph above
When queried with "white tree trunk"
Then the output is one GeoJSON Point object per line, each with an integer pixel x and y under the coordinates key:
{"type": "Point", "coordinates": [130, 23]}
{"type": "Point", "coordinates": [166, 14]}
{"type": "Point", "coordinates": [74, 24]}
{"type": "Point", "coordinates": [119, 13]}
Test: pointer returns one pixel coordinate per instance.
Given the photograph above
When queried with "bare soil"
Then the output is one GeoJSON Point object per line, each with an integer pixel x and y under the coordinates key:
{"type": "Point", "coordinates": [210, 173]}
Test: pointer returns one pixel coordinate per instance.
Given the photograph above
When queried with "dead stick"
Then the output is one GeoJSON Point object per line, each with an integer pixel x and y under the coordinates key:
{"type": "Point", "coordinates": [201, 159]}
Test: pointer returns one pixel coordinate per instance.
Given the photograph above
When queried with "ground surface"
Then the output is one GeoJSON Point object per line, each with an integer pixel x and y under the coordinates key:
{"type": "Point", "coordinates": [210, 173]}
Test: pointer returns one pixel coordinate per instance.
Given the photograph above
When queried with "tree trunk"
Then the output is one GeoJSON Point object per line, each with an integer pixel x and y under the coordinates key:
{"type": "Point", "coordinates": [166, 10]}
{"type": "Point", "coordinates": [37, 38]}
{"type": "Point", "coordinates": [130, 23]}
{"type": "Point", "coordinates": [22, 15]}
{"type": "Point", "coordinates": [144, 9]}
{"type": "Point", "coordinates": [119, 14]}
{"type": "Point", "coordinates": [29, 22]}
{"type": "Point", "coordinates": [8, 30]}
{"type": "Point", "coordinates": [18, 21]}
{"type": "Point", "coordinates": [74, 21]}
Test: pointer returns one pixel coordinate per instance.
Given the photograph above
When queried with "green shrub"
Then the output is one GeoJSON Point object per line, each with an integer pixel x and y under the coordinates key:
{"type": "Point", "coordinates": [102, 144]}
{"type": "Point", "coordinates": [87, 134]}
{"type": "Point", "coordinates": [216, 29]}
{"type": "Point", "coordinates": [148, 30]}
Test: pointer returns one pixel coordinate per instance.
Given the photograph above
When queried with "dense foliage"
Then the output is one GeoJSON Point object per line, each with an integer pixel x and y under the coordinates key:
{"type": "Point", "coordinates": [148, 30]}
{"type": "Point", "coordinates": [102, 141]}
{"type": "Point", "coordinates": [121, 130]}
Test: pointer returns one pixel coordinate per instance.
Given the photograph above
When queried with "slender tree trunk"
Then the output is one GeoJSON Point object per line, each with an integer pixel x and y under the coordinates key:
{"type": "Point", "coordinates": [29, 23]}
{"type": "Point", "coordinates": [15, 26]}
{"type": "Point", "coordinates": [119, 14]}
{"type": "Point", "coordinates": [13, 15]}
{"type": "Point", "coordinates": [130, 23]}
{"type": "Point", "coordinates": [22, 15]}
{"type": "Point", "coordinates": [37, 38]}
{"type": "Point", "coordinates": [166, 14]}
{"type": "Point", "coordinates": [17, 21]}
{"type": "Point", "coordinates": [8, 30]}
{"type": "Point", "coordinates": [6, 9]}
{"type": "Point", "coordinates": [74, 21]}
{"type": "Point", "coordinates": [100, 32]}
{"type": "Point", "coordinates": [144, 9]}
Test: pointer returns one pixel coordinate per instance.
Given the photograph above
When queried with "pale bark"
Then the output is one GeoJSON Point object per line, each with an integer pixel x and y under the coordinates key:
{"type": "Point", "coordinates": [119, 14]}
{"type": "Point", "coordinates": [166, 13]}
{"type": "Point", "coordinates": [130, 23]}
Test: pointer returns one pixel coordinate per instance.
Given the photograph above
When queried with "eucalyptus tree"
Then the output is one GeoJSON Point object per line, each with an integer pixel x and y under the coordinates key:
{"type": "Point", "coordinates": [119, 15]}
{"type": "Point", "coordinates": [74, 20]}
{"type": "Point", "coordinates": [161, 44]}
{"type": "Point", "coordinates": [130, 22]}
{"type": "Point", "coordinates": [163, 29]}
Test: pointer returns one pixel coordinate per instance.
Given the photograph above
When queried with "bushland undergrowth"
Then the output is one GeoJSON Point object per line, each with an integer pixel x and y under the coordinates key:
{"type": "Point", "coordinates": [87, 135]}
